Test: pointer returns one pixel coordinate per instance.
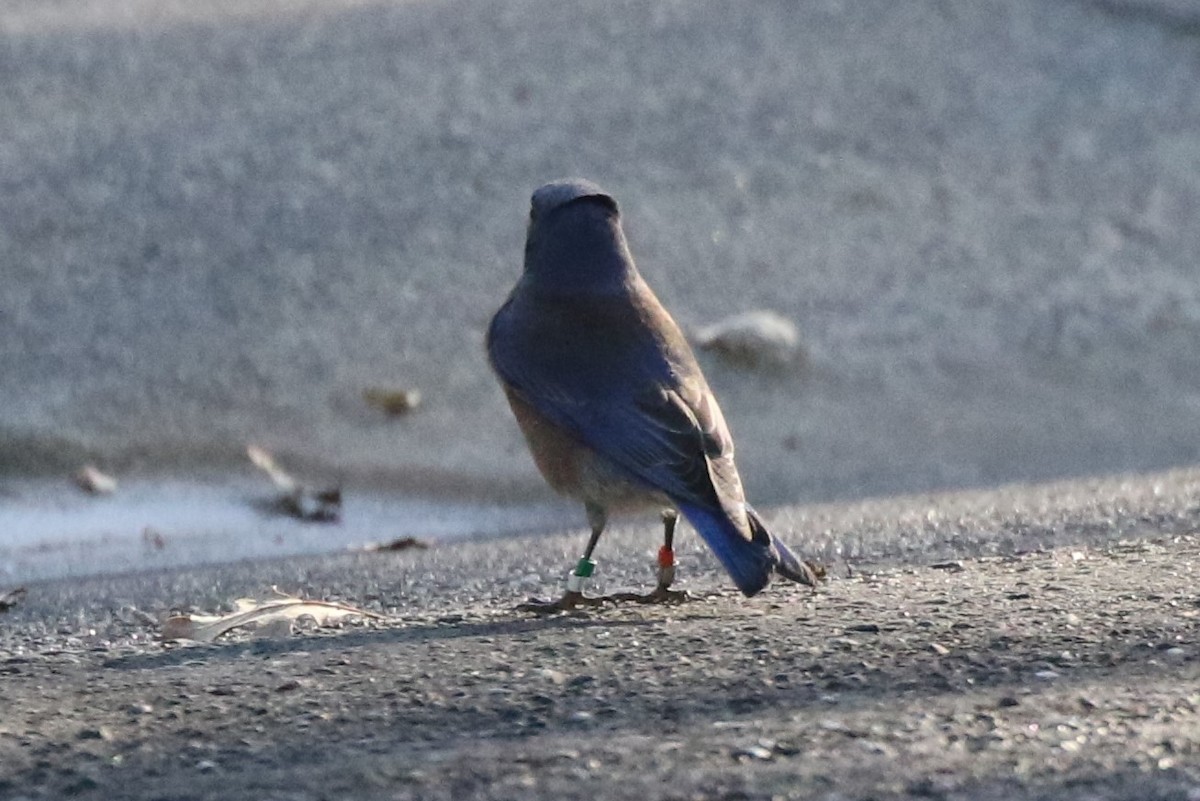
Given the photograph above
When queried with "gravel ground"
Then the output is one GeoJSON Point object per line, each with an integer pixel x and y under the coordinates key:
{"type": "Point", "coordinates": [1062, 672]}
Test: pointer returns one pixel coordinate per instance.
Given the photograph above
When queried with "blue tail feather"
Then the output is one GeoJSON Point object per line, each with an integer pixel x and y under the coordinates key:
{"type": "Point", "coordinates": [749, 562]}
{"type": "Point", "coordinates": [786, 563]}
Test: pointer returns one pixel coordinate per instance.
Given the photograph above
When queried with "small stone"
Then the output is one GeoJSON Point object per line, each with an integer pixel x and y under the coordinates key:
{"type": "Point", "coordinates": [939, 649]}
{"type": "Point", "coordinates": [392, 402]}
{"type": "Point", "coordinates": [1008, 701]}
{"type": "Point", "coordinates": [865, 628]}
{"type": "Point", "coordinates": [949, 567]}
{"type": "Point", "coordinates": [98, 733]}
{"type": "Point", "coordinates": [556, 677]}
{"type": "Point", "coordinates": [754, 339]}
{"type": "Point", "coordinates": [756, 752]}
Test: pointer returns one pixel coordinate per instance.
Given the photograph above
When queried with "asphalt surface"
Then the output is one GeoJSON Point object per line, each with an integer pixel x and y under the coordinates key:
{"type": "Point", "coordinates": [1064, 664]}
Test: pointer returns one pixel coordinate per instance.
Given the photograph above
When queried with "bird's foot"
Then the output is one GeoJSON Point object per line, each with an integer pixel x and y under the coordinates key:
{"type": "Point", "coordinates": [570, 600]}
{"type": "Point", "coordinates": [665, 595]}
{"type": "Point", "coordinates": [660, 595]}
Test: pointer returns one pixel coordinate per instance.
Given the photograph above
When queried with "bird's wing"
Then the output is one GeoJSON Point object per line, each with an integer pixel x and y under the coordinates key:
{"type": "Point", "coordinates": [648, 412]}
{"type": "Point", "coordinates": [692, 455]}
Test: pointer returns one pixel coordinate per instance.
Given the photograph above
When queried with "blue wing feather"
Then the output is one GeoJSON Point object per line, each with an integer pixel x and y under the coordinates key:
{"type": "Point", "coordinates": [620, 392]}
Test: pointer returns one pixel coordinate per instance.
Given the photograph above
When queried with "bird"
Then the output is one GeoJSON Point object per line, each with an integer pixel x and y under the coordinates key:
{"type": "Point", "coordinates": [612, 402]}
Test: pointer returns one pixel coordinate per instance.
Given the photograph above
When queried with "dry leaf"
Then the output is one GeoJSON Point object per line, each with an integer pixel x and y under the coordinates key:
{"type": "Point", "coordinates": [247, 611]}
{"type": "Point", "coordinates": [297, 500]}
{"type": "Point", "coordinates": [393, 402]}
{"type": "Point", "coordinates": [312, 506]}
{"type": "Point", "coordinates": [275, 630]}
{"type": "Point", "coordinates": [92, 481]}
{"type": "Point", "coordinates": [266, 463]}
{"type": "Point", "coordinates": [398, 544]}
{"type": "Point", "coordinates": [11, 598]}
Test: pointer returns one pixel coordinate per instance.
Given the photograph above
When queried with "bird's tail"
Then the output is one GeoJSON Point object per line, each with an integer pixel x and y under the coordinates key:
{"type": "Point", "coordinates": [785, 562]}
{"type": "Point", "coordinates": [748, 561]}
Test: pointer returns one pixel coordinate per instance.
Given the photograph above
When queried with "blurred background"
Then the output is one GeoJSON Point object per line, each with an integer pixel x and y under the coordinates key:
{"type": "Point", "coordinates": [223, 222]}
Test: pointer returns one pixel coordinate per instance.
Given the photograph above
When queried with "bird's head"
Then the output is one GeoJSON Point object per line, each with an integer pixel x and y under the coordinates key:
{"type": "Point", "coordinates": [574, 241]}
{"type": "Point", "coordinates": [553, 196]}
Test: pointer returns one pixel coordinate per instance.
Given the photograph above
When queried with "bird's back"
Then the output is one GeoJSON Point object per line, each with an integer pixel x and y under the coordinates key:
{"type": "Point", "coordinates": [616, 372]}
{"type": "Point", "coordinates": [602, 342]}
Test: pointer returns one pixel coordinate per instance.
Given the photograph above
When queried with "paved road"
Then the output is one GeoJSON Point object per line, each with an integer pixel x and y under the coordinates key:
{"type": "Point", "coordinates": [1069, 672]}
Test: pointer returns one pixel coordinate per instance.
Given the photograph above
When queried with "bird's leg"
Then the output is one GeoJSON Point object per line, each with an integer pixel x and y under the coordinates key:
{"type": "Point", "coordinates": [579, 577]}
{"type": "Point", "coordinates": [662, 594]}
{"type": "Point", "coordinates": [666, 564]}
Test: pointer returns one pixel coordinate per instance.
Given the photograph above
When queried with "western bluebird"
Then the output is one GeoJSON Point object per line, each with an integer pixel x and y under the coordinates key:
{"type": "Point", "coordinates": [610, 398]}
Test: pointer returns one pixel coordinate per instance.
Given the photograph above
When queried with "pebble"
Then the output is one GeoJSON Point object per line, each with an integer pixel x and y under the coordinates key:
{"type": "Point", "coordinates": [1176, 654]}
{"type": "Point", "coordinates": [756, 752]}
{"type": "Point", "coordinates": [97, 733]}
{"type": "Point", "coordinates": [556, 677]}
{"type": "Point", "coordinates": [758, 338]}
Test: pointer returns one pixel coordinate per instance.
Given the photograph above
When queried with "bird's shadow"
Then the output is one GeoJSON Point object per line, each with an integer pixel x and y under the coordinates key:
{"type": "Point", "coordinates": [398, 633]}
